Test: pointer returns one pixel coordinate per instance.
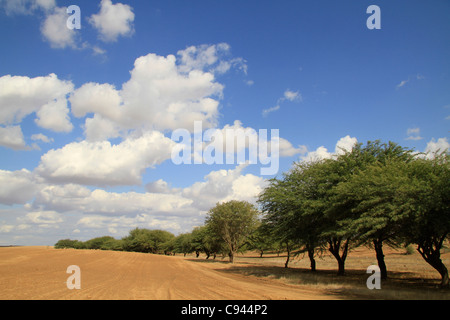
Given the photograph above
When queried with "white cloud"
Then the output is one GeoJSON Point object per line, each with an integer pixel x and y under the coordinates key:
{"type": "Point", "coordinates": [113, 20]}
{"type": "Point", "coordinates": [41, 137]}
{"type": "Point", "coordinates": [55, 31]}
{"type": "Point", "coordinates": [346, 143]}
{"type": "Point", "coordinates": [45, 96]}
{"type": "Point", "coordinates": [266, 112]}
{"type": "Point", "coordinates": [158, 96]}
{"type": "Point", "coordinates": [402, 83]}
{"type": "Point", "coordinates": [288, 95]}
{"type": "Point", "coordinates": [101, 163]}
{"type": "Point", "coordinates": [252, 140]}
{"type": "Point", "coordinates": [17, 187]}
{"type": "Point", "coordinates": [439, 146]}
{"type": "Point", "coordinates": [43, 219]}
{"type": "Point", "coordinates": [160, 186]}
{"type": "Point", "coordinates": [292, 96]}
{"type": "Point", "coordinates": [54, 116]}
{"type": "Point", "coordinates": [224, 185]}
{"type": "Point", "coordinates": [413, 134]}
{"type": "Point", "coordinates": [12, 137]}
{"type": "Point", "coordinates": [26, 6]}
{"type": "Point", "coordinates": [211, 58]}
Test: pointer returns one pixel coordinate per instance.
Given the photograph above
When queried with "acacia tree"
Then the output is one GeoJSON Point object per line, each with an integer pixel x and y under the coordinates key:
{"type": "Point", "coordinates": [378, 200]}
{"type": "Point", "coordinates": [234, 221]}
{"type": "Point", "coordinates": [288, 213]}
{"type": "Point", "coordinates": [373, 197]}
{"type": "Point", "coordinates": [429, 226]}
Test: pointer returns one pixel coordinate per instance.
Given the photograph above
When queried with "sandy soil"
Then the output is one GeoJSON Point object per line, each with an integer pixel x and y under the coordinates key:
{"type": "Point", "coordinates": [40, 273]}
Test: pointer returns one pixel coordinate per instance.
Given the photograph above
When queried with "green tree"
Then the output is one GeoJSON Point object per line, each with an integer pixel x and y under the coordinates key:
{"type": "Point", "coordinates": [429, 226]}
{"type": "Point", "coordinates": [369, 202]}
{"type": "Point", "coordinates": [183, 243]}
{"type": "Point", "coordinates": [378, 200]}
{"type": "Point", "coordinates": [101, 243]}
{"type": "Point", "coordinates": [68, 243]}
{"type": "Point", "coordinates": [287, 219]}
{"type": "Point", "coordinates": [234, 221]}
{"type": "Point", "coordinates": [204, 239]}
{"type": "Point", "coordinates": [145, 240]}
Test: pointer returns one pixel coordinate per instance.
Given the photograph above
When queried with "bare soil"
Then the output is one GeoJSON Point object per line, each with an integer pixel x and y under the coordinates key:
{"type": "Point", "coordinates": [40, 273]}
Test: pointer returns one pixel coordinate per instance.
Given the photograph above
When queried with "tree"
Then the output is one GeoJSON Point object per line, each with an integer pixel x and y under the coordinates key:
{"type": "Point", "coordinates": [204, 239]}
{"type": "Point", "coordinates": [371, 200]}
{"type": "Point", "coordinates": [261, 240]}
{"type": "Point", "coordinates": [145, 240]}
{"type": "Point", "coordinates": [183, 243]}
{"type": "Point", "coordinates": [234, 221]}
{"type": "Point", "coordinates": [378, 200]}
{"type": "Point", "coordinates": [68, 243]}
{"type": "Point", "coordinates": [429, 226]}
{"type": "Point", "coordinates": [287, 218]}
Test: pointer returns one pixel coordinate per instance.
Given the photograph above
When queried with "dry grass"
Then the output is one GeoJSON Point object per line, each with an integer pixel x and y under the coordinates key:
{"type": "Point", "coordinates": [409, 276]}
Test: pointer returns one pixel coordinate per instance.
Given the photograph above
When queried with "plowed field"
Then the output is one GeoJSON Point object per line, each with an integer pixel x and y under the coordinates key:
{"type": "Point", "coordinates": [40, 273]}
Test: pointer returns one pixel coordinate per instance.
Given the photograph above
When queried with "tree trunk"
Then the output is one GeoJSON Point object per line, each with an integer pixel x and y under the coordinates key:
{"type": "Point", "coordinates": [431, 252]}
{"type": "Point", "coordinates": [311, 259]}
{"type": "Point", "coordinates": [378, 244]}
{"type": "Point", "coordinates": [288, 249]}
{"type": "Point", "coordinates": [231, 256]}
{"type": "Point", "coordinates": [335, 247]}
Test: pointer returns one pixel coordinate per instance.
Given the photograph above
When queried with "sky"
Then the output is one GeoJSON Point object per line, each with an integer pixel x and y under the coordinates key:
{"type": "Point", "coordinates": [98, 103]}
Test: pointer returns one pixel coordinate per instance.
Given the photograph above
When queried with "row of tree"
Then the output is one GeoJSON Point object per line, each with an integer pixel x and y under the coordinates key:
{"type": "Point", "coordinates": [375, 195]}
{"type": "Point", "coordinates": [138, 240]}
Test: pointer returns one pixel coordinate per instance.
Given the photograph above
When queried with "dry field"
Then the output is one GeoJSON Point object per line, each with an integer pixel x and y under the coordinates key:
{"type": "Point", "coordinates": [40, 273]}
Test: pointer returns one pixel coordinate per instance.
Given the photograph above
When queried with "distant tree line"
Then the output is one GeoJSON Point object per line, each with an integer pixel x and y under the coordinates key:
{"type": "Point", "coordinates": [375, 195]}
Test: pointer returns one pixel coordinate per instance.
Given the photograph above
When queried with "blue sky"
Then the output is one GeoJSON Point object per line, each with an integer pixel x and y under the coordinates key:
{"type": "Point", "coordinates": [86, 116]}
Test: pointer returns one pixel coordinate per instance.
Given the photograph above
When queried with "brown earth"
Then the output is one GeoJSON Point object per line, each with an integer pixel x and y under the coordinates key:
{"type": "Point", "coordinates": [40, 273]}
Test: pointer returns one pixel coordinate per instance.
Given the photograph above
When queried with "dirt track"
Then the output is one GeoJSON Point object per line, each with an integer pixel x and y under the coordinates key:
{"type": "Point", "coordinates": [40, 273]}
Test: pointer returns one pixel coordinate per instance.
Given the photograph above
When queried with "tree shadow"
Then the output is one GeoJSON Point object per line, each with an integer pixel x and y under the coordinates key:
{"type": "Point", "coordinates": [352, 285]}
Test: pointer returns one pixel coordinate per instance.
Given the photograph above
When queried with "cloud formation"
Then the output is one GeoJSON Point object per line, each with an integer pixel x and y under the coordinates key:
{"type": "Point", "coordinates": [113, 21]}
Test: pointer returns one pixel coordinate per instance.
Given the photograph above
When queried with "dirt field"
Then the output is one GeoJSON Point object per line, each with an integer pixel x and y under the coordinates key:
{"type": "Point", "coordinates": [40, 273]}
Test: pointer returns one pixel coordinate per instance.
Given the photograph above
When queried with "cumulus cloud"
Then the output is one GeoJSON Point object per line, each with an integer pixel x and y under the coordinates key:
{"type": "Point", "coordinates": [159, 200]}
{"type": "Point", "coordinates": [235, 142]}
{"type": "Point", "coordinates": [439, 146]}
{"type": "Point", "coordinates": [46, 96]}
{"type": "Point", "coordinates": [17, 187]}
{"type": "Point", "coordinates": [158, 96]}
{"type": "Point", "coordinates": [224, 185]}
{"type": "Point", "coordinates": [344, 144]}
{"type": "Point", "coordinates": [113, 20]}
{"type": "Point", "coordinates": [12, 137]}
{"type": "Point", "coordinates": [54, 30]}
{"type": "Point", "coordinates": [41, 219]}
{"type": "Point", "coordinates": [102, 163]}
{"type": "Point", "coordinates": [212, 58]}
